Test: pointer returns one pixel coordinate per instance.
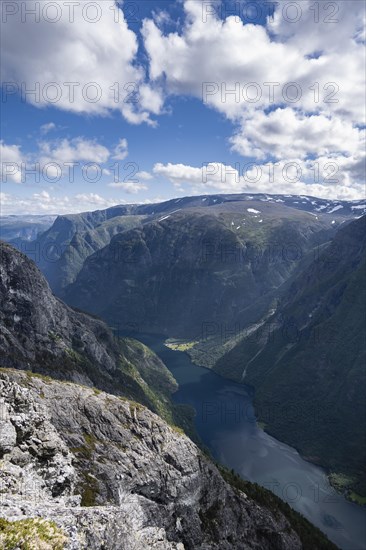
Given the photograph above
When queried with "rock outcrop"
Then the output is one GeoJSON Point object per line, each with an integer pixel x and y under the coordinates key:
{"type": "Point", "coordinates": [145, 484]}
{"type": "Point", "coordinates": [38, 329]}
{"type": "Point", "coordinates": [39, 333]}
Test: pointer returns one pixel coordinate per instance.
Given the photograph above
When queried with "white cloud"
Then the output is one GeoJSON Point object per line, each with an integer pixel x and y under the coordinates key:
{"type": "Point", "coordinates": [223, 57]}
{"type": "Point", "coordinates": [45, 203]}
{"type": "Point", "coordinates": [121, 150]}
{"type": "Point", "coordinates": [143, 175]}
{"type": "Point", "coordinates": [334, 177]}
{"type": "Point", "coordinates": [97, 58]}
{"type": "Point", "coordinates": [54, 159]}
{"type": "Point", "coordinates": [214, 176]}
{"type": "Point", "coordinates": [45, 128]}
{"type": "Point", "coordinates": [252, 73]}
{"type": "Point", "coordinates": [130, 187]}
{"type": "Point", "coordinates": [230, 55]}
{"type": "Point", "coordinates": [11, 160]}
{"type": "Point", "coordinates": [74, 150]}
{"type": "Point", "coordinates": [319, 27]}
{"type": "Point", "coordinates": [286, 133]}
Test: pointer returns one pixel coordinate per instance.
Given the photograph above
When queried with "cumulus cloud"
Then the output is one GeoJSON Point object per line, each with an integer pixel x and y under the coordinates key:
{"type": "Point", "coordinates": [74, 150]}
{"type": "Point", "coordinates": [45, 203]}
{"type": "Point", "coordinates": [237, 67]}
{"type": "Point", "coordinates": [130, 187]}
{"type": "Point", "coordinates": [56, 158]}
{"type": "Point", "coordinates": [144, 175]}
{"type": "Point", "coordinates": [11, 159]}
{"type": "Point", "coordinates": [293, 90]}
{"type": "Point", "coordinates": [89, 64]}
{"type": "Point", "coordinates": [286, 133]}
{"type": "Point", "coordinates": [214, 176]}
{"type": "Point", "coordinates": [327, 177]}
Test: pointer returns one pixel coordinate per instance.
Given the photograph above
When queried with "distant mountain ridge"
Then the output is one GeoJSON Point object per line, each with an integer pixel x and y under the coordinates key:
{"type": "Point", "coordinates": [197, 265]}
{"type": "Point", "coordinates": [61, 250]}
{"type": "Point", "coordinates": [211, 270]}
{"type": "Point", "coordinates": [21, 229]}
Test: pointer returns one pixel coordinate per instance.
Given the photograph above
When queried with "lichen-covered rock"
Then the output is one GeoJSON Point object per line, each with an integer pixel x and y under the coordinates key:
{"type": "Point", "coordinates": [35, 461]}
{"type": "Point", "coordinates": [8, 435]}
{"type": "Point", "coordinates": [113, 475]}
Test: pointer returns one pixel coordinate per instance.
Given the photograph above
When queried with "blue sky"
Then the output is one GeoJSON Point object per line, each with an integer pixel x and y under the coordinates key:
{"type": "Point", "coordinates": [308, 138]}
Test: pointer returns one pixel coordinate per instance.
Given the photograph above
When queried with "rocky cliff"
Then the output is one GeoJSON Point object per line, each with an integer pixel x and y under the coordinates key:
{"type": "Point", "coordinates": [103, 472]}
{"type": "Point", "coordinates": [40, 333]}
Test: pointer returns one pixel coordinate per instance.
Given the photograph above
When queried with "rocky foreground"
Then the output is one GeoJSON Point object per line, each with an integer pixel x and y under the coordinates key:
{"type": "Point", "coordinates": [111, 474]}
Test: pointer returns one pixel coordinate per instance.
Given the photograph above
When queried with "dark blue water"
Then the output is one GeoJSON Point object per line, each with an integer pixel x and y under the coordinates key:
{"type": "Point", "coordinates": [225, 421]}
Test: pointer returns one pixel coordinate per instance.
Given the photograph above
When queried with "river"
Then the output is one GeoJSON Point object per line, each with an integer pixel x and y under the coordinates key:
{"type": "Point", "coordinates": [225, 422]}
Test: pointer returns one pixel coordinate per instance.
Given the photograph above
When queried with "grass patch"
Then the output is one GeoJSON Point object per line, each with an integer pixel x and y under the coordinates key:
{"type": "Point", "coordinates": [178, 345]}
{"type": "Point", "coordinates": [358, 499]}
{"type": "Point", "coordinates": [340, 482]}
{"type": "Point", "coordinates": [31, 534]}
{"type": "Point", "coordinates": [54, 337]}
{"type": "Point", "coordinates": [87, 450]}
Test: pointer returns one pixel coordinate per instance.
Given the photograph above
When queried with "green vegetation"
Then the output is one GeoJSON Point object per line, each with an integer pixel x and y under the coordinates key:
{"type": "Point", "coordinates": [79, 236]}
{"type": "Point", "coordinates": [340, 482]}
{"type": "Point", "coordinates": [31, 534]}
{"type": "Point", "coordinates": [43, 377]}
{"type": "Point", "coordinates": [89, 490]}
{"type": "Point", "coordinates": [180, 345]}
{"type": "Point", "coordinates": [358, 499]}
{"type": "Point", "coordinates": [307, 364]}
{"type": "Point", "coordinates": [88, 487]}
{"type": "Point", "coordinates": [54, 337]}
{"type": "Point", "coordinates": [344, 484]}
{"type": "Point", "coordinates": [147, 381]}
{"type": "Point", "coordinates": [86, 451]}
{"type": "Point", "coordinates": [310, 536]}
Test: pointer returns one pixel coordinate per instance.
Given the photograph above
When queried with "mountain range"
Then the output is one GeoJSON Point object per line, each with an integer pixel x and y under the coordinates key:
{"type": "Point", "coordinates": [267, 290]}
{"type": "Point", "coordinates": [21, 229]}
{"type": "Point", "coordinates": [61, 250]}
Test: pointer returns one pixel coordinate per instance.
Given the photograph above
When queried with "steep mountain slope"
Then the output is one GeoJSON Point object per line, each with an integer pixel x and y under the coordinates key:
{"type": "Point", "coordinates": [24, 228]}
{"type": "Point", "coordinates": [197, 267]}
{"type": "Point", "coordinates": [307, 362]}
{"type": "Point", "coordinates": [41, 334]}
{"type": "Point", "coordinates": [81, 468]}
{"type": "Point", "coordinates": [60, 251]}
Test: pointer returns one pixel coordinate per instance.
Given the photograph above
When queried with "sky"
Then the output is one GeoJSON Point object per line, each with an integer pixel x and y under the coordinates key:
{"type": "Point", "coordinates": [108, 102]}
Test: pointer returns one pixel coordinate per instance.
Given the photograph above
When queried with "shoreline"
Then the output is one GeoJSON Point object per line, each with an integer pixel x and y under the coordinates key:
{"type": "Point", "coordinates": [346, 491]}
